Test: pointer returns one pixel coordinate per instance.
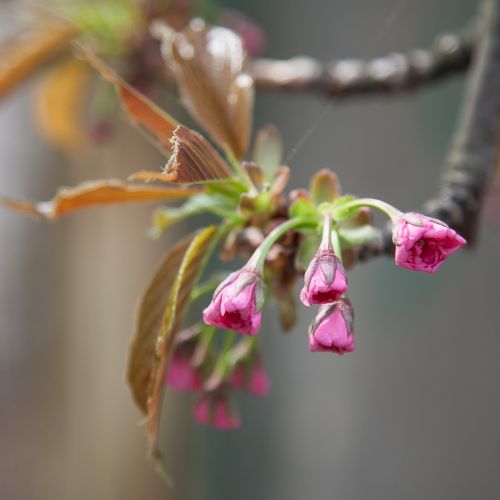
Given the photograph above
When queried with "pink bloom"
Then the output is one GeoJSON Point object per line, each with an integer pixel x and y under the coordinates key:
{"type": "Point", "coordinates": [423, 243]}
{"type": "Point", "coordinates": [325, 279]}
{"type": "Point", "coordinates": [237, 303]}
{"type": "Point", "coordinates": [215, 410]}
{"type": "Point", "coordinates": [251, 377]}
{"type": "Point", "coordinates": [332, 329]}
{"type": "Point", "coordinates": [181, 375]}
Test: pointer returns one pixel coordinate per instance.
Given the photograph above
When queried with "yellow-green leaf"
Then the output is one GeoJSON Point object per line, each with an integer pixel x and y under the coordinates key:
{"type": "Point", "coordinates": [325, 187]}
{"type": "Point", "coordinates": [268, 149]}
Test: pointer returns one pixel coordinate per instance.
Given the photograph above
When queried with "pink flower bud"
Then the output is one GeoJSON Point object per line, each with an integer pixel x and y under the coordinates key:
{"type": "Point", "coordinates": [423, 243]}
{"type": "Point", "coordinates": [332, 329]}
{"type": "Point", "coordinates": [237, 303]}
{"type": "Point", "coordinates": [325, 279]}
{"type": "Point", "coordinates": [252, 377]}
{"type": "Point", "coordinates": [216, 410]}
{"type": "Point", "coordinates": [182, 376]}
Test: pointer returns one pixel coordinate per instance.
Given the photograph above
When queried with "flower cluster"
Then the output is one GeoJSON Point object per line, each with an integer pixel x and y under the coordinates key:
{"type": "Point", "coordinates": [195, 368]}
{"type": "Point", "coordinates": [421, 244]}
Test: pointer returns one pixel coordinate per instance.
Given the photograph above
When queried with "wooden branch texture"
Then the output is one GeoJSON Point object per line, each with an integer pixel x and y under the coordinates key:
{"type": "Point", "coordinates": [450, 53]}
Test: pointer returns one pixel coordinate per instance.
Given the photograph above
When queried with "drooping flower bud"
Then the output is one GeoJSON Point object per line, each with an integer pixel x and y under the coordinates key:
{"type": "Point", "coordinates": [252, 377]}
{"type": "Point", "coordinates": [215, 409]}
{"type": "Point", "coordinates": [423, 243]}
{"type": "Point", "coordinates": [237, 302]}
{"type": "Point", "coordinates": [181, 374]}
{"type": "Point", "coordinates": [325, 279]}
{"type": "Point", "coordinates": [332, 329]}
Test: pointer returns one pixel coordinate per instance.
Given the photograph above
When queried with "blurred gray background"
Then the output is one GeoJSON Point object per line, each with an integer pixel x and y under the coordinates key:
{"type": "Point", "coordinates": [413, 413]}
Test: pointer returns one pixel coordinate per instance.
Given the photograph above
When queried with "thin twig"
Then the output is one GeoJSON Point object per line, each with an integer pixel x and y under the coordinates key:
{"type": "Point", "coordinates": [450, 53]}
{"type": "Point", "coordinates": [470, 163]}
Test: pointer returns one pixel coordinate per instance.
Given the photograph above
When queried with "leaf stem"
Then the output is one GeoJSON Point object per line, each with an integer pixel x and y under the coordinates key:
{"type": "Point", "coordinates": [259, 256]}
{"type": "Point", "coordinates": [242, 173]}
{"type": "Point", "coordinates": [392, 212]}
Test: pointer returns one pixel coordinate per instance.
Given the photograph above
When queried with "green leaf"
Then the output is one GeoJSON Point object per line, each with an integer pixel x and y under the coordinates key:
{"type": "Point", "coordinates": [304, 208]}
{"type": "Point", "coordinates": [341, 212]}
{"type": "Point", "coordinates": [308, 246]}
{"type": "Point", "coordinates": [358, 235]}
{"type": "Point", "coordinates": [268, 150]}
{"type": "Point", "coordinates": [218, 204]}
{"type": "Point", "coordinates": [232, 188]}
{"type": "Point", "coordinates": [325, 187]}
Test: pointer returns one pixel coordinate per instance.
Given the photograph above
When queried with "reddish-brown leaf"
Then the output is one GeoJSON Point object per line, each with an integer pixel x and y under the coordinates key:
{"type": "Point", "coordinates": [193, 160]}
{"type": "Point", "coordinates": [140, 110]}
{"type": "Point", "coordinates": [178, 300]}
{"type": "Point", "coordinates": [151, 308]}
{"type": "Point", "coordinates": [23, 54]}
{"type": "Point", "coordinates": [94, 193]}
{"type": "Point", "coordinates": [59, 104]}
{"type": "Point", "coordinates": [209, 64]}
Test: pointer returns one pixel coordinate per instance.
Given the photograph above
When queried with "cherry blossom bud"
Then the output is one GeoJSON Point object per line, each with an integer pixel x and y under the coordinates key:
{"type": "Point", "coordinates": [252, 377]}
{"type": "Point", "coordinates": [325, 279]}
{"type": "Point", "coordinates": [216, 410]}
{"type": "Point", "coordinates": [332, 329]}
{"type": "Point", "coordinates": [237, 302]}
{"type": "Point", "coordinates": [181, 374]}
{"type": "Point", "coordinates": [423, 243]}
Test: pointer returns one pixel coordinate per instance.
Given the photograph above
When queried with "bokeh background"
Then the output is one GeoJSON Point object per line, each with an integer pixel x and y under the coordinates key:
{"type": "Point", "coordinates": [413, 413]}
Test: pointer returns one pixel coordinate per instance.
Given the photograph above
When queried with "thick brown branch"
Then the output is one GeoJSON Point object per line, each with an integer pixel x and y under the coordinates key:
{"type": "Point", "coordinates": [471, 160]}
{"type": "Point", "coordinates": [449, 54]}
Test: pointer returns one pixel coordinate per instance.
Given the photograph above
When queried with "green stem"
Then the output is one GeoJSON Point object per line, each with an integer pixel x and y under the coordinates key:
{"type": "Point", "coordinates": [259, 256]}
{"type": "Point", "coordinates": [242, 350]}
{"type": "Point", "coordinates": [223, 359]}
{"type": "Point", "coordinates": [326, 242]}
{"type": "Point", "coordinates": [392, 212]}
{"type": "Point", "coordinates": [242, 173]}
{"type": "Point", "coordinates": [206, 338]}
{"type": "Point", "coordinates": [207, 286]}
{"type": "Point", "coordinates": [336, 244]}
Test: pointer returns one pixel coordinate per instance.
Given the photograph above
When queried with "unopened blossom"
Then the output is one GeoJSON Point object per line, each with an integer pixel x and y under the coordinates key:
{"type": "Point", "coordinates": [237, 303]}
{"type": "Point", "coordinates": [252, 377]}
{"type": "Point", "coordinates": [423, 243]}
{"type": "Point", "coordinates": [325, 279]}
{"type": "Point", "coordinates": [181, 374]}
{"type": "Point", "coordinates": [216, 410]}
{"type": "Point", "coordinates": [332, 329]}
